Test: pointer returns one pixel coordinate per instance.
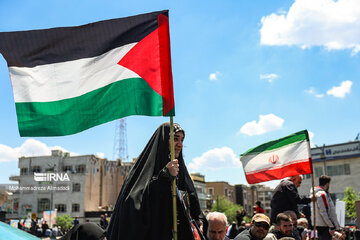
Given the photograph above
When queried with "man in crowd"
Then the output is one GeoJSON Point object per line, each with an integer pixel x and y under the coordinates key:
{"type": "Point", "coordinates": [217, 223]}
{"type": "Point", "coordinates": [286, 197]}
{"type": "Point", "coordinates": [325, 219]}
{"type": "Point", "coordinates": [76, 221]}
{"type": "Point", "coordinates": [294, 219]}
{"type": "Point", "coordinates": [259, 229]}
{"type": "Point", "coordinates": [284, 226]}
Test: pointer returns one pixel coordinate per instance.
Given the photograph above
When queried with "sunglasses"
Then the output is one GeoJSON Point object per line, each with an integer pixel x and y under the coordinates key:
{"type": "Point", "coordinates": [263, 225]}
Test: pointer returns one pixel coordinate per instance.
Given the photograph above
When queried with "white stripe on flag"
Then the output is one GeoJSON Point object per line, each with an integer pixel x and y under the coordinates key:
{"type": "Point", "coordinates": [280, 157]}
{"type": "Point", "coordinates": [53, 82]}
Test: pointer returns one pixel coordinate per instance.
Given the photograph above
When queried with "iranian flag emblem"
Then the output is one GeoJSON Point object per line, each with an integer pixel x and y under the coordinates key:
{"type": "Point", "coordinates": [273, 159]}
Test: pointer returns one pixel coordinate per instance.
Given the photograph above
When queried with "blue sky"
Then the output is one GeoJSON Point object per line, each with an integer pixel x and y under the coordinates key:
{"type": "Point", "coordinates": [245, 72]}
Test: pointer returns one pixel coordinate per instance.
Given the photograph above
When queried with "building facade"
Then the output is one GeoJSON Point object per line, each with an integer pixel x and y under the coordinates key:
{"type": "Point", "coordinates": [339, 161]}
{"type": "Point", "coordinates": [264, 195]}
{"type": "Point", "coordinates": [200, 186]}
{"type": "Point", "coordinates": [74, 185]}
{"type": "Point", "coordinates": [247, 196]}
{"type": "Point", "coordinates": [220, 188]}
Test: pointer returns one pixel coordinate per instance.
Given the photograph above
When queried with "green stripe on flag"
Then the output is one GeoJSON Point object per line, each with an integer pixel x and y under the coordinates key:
{"type": "Point", "coordinates": [296, 137]}
{"type": "Point", "coordinates": [127, 97]}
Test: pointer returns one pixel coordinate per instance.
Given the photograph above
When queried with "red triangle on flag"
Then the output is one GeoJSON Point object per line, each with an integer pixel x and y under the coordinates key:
{"type": "Point", "coordinates": [151, 60]}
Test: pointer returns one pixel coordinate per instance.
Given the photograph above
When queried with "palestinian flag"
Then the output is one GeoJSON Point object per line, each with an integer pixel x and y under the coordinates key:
{"type": "Point", "coordinates": [69, 79]}
{"type": "Point", "coordinates": [285, 157]}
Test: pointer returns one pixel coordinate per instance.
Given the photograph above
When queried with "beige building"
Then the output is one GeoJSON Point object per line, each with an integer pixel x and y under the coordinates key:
{"type": "Point", "coordinates": [215, 189]}
{"type": "Point", "coordinates": [341, 162]}
{"type": "Point", "coordinates": [75, 185]}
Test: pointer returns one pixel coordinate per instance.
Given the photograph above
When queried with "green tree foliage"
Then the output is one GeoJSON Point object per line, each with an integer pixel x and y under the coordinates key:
{"type": "Point", "coordinates": [349, 199]}
{"type": "Point", "coordinates": [65, 222]}
{"type": "Point", "coordinates": [224, 205]}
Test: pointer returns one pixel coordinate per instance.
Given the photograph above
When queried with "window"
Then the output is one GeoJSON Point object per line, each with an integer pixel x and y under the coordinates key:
{"type": "Point", "coordinates": [23, 171]}
{"type": "Point", "coordinates": [43, 204]}
{"type": "Point", "coordinates": [211, 191]}
{"type": "Point", "coordinates": [76, 187]}
{"type": "Point", "coordinates": [67, 168]}
{"type": "Point", "coordinates": [338, 170]}
{"type": "Point", "coordinates": [60, 207]}
{"type": "Point", "coordinates": [319, 171]}
{"type": "Point", "coordinates": [80, 168]}
{"type": "Point", "coordinates": [36, 169]}
{"type": "Point", "coordinates": [16, 205]}
{"type": "Point", "coordinates": [27, 208]}
{"type": "Point", "coordinates": [75, 207]}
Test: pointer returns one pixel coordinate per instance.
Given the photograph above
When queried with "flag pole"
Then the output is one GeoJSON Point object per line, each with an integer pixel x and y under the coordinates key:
{"type": "Point", "coordinates": [172, 154]}
{"type": "Point", "coordinates": [314, 209]}
{"type": "Point", "coordinates": [313, 190]}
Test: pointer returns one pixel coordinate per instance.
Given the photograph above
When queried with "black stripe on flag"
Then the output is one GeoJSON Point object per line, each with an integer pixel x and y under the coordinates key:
{"type": "Point", "coordinates": [54, 45]}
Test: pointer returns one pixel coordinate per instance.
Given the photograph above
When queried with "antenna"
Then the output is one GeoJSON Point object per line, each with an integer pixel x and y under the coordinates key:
{"type": "Point", "coordinates": [120, 150]}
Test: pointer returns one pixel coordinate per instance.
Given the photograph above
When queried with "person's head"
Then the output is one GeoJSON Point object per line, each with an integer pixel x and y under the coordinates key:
{"type": "Point", "coordinates": [179, 136]}
{"type": "Point", "coordinates": [217, 226]}
{"type": "Point", "coordinates": [292, 216]}
{"type": "Point", "coordinates": [260, 226]}
{"type": "Point", "coordinates": [324, 181]}
{"type": "Point", "coordinates": [284, 224]}
{"type": "Point", "coordinates": [258, 203]}
{"type": "Point", "coordinates": [303, 222]}
{"type": "Point", "coordinates": [296, 180]}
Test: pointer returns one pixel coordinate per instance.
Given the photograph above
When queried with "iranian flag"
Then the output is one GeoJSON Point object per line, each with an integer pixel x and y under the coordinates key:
{"type": "Point", "coordinates": [69, 79]}
{"type": "Point", "coordinates": [285, 157]}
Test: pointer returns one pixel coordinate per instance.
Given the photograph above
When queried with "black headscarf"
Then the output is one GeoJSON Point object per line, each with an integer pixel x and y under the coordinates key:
{"type": "Point", "coordinates": [144, 207]}
{"type": "Point", "coordinates": [85, 231]}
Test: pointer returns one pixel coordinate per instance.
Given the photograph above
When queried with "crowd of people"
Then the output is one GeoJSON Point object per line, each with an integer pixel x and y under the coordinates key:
{"type": "Point", "coordinates": [144, 207]}
{"type": "Point", "coordinates": [40, 229]}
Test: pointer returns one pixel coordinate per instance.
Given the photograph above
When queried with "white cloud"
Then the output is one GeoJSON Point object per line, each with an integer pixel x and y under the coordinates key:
{"type": "Point", "coordinates": [342, 90]}
{"type": "Point", "coordinates": [100, 155]}
{"type": "Point", "coordinates": [270, 77]}
{"type": "Point", "coordinates": [214, 76]}
{"type": "Point", "coordinates": [216, 158]}
{"type": "Point", "coordinates": [329, 23]}
{"type": "Point", "coordinates": [30, 147]}
{"type": "Point", "coordinates": [267, 123]}
{"type": "Point", "coordinates": [312, 91]}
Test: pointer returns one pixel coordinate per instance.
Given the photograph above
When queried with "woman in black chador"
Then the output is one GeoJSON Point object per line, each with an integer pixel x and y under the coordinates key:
{"type": "Point", "coordinates": [144, 206]}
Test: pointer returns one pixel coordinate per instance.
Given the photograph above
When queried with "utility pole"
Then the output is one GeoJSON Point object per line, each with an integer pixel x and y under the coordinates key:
{"type": "Point", "coordinates": [323, 157]}
{"type": "Point", "coordinates": [120, 149]}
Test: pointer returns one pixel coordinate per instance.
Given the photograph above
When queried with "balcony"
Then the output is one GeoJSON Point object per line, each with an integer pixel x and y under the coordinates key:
{"type": "Point", "coordinates": [14, 178]}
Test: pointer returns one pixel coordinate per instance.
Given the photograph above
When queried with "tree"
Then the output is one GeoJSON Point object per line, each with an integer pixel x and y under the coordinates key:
{"type": "Point", "coordinates": [224, 205]}
{"type": "Point", "coordinates": [65, 222]}
{"type": "Point", "coordinates": [349, 199]}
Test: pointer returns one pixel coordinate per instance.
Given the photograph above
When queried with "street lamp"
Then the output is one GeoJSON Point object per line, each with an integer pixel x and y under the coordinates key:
{"type": "Point", "coordinates": [323, 157]}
